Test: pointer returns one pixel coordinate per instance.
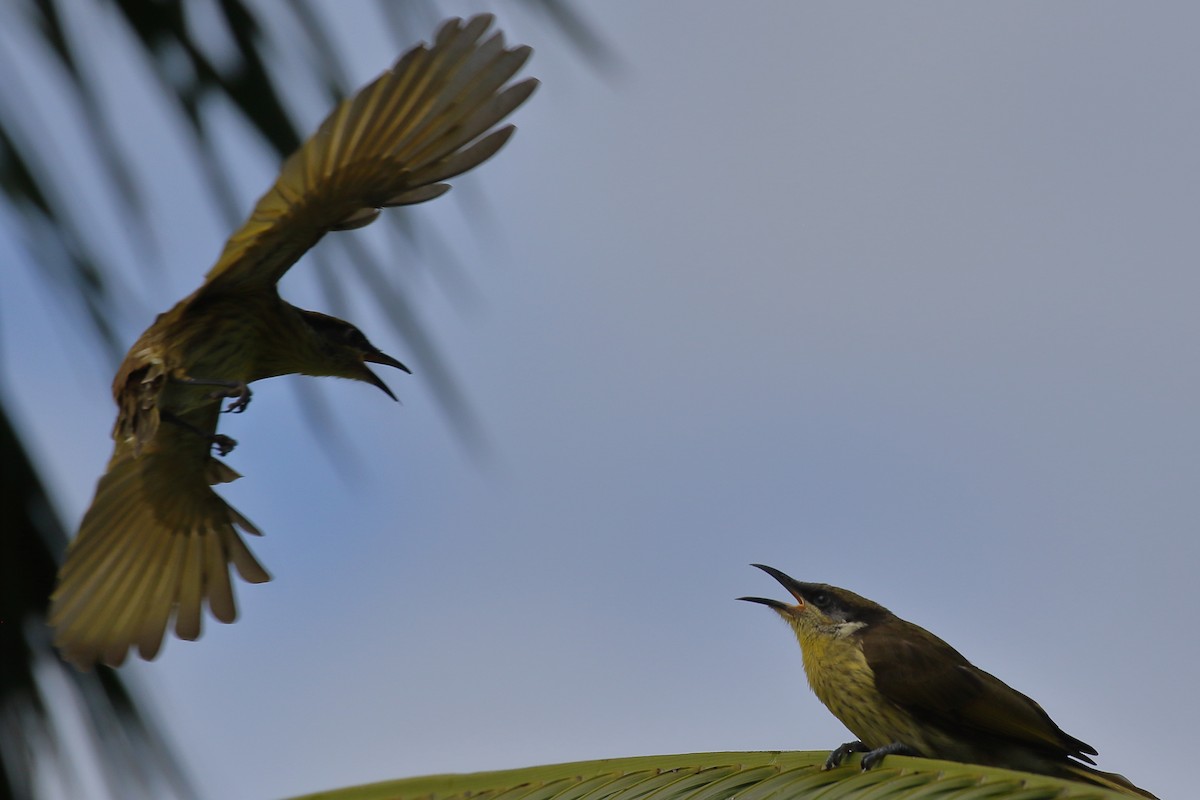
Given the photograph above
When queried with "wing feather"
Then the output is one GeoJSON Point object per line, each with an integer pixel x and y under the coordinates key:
{"type": "Point", "coordinates": [919, 672]}
{"type": "Point", "coordinates": [414, 126]}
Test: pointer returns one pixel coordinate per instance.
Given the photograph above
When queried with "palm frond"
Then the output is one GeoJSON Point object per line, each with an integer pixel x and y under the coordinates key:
{"type": "Point", "coordinates": [732, 776]}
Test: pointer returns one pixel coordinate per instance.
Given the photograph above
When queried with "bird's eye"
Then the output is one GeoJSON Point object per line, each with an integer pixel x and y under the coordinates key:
{"type": "Point", "coordinates": [820, 599]}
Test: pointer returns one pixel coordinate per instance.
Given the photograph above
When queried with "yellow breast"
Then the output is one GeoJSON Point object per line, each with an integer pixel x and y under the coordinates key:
{"type": "Point", "coordinates": [841, 679]}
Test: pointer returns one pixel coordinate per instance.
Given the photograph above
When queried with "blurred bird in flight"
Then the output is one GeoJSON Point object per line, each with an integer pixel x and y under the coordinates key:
{"type": "Point", "coordinates": [157, 541]}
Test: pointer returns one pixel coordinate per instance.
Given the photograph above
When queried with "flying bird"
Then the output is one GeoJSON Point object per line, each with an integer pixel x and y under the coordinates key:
{"type": "Point", "coordinates": [903, 691]}
{"type": "Point", "coordinates": [157, 542]}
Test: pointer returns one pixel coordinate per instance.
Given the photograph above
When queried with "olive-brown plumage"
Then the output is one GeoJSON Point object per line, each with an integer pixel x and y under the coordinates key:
{"type": "Point", "coordinates": [157, 541]}
{"type": "Point", "coordinates": [902, 690]}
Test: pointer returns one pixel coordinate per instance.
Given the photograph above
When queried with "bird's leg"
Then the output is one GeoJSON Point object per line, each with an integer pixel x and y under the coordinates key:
{"type": "Point", "coordinates": [839, 755]}
{"type": "Point", "coordinates": [236, 389]}
{"type": "Point", "coordinates": [894, 749]}
{"type": "Point", "coordinates": [223, 443]}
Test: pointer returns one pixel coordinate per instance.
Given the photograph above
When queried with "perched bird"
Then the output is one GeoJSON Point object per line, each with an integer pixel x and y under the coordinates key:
{"type": "Point", "coordinates": [903, 691]}
{"type": "Point", "coordinates": [157, 541]}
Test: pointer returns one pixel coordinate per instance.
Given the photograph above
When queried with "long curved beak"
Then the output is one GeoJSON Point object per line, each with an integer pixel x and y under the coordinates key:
{"type": "Point", "coordinates": [786, 581]}
{"type": "Point", "coordinates": [775, 604]}
{"type": "Point", "coordinates": [378, 357]}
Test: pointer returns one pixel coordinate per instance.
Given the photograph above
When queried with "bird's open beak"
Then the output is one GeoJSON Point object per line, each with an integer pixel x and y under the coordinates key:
{"type": "Point", "coordinates": [378, 357]}
{"type": "Point", "coordinates": [787, 582]}
{"type": "Point", "coordinates": [383, 358]}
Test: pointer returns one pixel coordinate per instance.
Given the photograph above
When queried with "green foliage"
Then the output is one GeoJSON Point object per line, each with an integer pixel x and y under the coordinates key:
{"type": "Point", "coordinates": [730, 776]}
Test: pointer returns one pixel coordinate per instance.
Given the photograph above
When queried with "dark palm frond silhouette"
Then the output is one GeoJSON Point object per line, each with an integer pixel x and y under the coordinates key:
{"type": "Point", "coordinates": [125, 739]}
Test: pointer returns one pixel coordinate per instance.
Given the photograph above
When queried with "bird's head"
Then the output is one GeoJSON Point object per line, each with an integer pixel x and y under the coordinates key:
{"type": "Point", "coordinates": [344, 351]}
{"type": "Point", "coordinates": [820, 609]}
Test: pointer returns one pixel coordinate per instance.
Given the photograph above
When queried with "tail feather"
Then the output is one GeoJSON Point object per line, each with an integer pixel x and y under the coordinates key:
{"type": "Point", "coordinates": [156, 542]}
{"type": "Point", "coordinates": [1109, 780]}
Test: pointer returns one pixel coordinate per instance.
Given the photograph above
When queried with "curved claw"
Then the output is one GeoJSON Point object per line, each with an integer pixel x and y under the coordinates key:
{"type": "Point", "coordinates": [241, 393]}
{"type": "Point", "coordinates": [223, 443]}
{"type": "Point", "coordinates": [894, 749]}
{"type": "Point", "coordinates": [839, 755]}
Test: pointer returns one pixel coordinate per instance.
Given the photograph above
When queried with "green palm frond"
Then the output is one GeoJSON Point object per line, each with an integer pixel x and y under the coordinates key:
{"type": "Point", "coordinates": [732, 776]}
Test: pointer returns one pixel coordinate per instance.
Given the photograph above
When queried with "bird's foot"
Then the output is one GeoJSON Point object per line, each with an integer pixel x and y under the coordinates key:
{"type": "Point", "coordinates": [223, 444]}
{"type": "Point", "coordinates": [894, 749]}
{"type": "Point", "coordinates": [839, 755]}
{"type": "Point", "coordinates": [240, 391]}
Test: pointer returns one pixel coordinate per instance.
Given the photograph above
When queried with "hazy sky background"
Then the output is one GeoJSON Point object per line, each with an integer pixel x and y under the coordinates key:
{"type": "Point", "coordinates": [900, 297]}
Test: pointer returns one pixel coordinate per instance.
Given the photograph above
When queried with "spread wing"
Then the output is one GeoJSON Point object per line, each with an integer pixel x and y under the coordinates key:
{"type": "Point", "coordinates": [156, 542]}
{"type": "Point", "coordinates": [421, 122]}
{"type": "Point", "coordinates": [923, 674]}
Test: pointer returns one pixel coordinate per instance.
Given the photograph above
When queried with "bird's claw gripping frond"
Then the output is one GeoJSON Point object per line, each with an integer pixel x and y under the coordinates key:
{"type": "Point", "coordinates": [839, 755]}
{"type": "Point", "coordinates": [879, 753]}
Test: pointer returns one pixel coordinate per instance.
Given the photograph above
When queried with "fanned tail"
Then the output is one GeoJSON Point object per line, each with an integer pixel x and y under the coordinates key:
{"type": "Point", "coordinates": [156, 542]}
{"type": "Point", "coordinates": [1109, 780]}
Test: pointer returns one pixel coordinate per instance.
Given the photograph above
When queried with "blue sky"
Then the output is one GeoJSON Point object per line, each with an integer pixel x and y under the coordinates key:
{"type": "Point", "coordinates": [895, 297]}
